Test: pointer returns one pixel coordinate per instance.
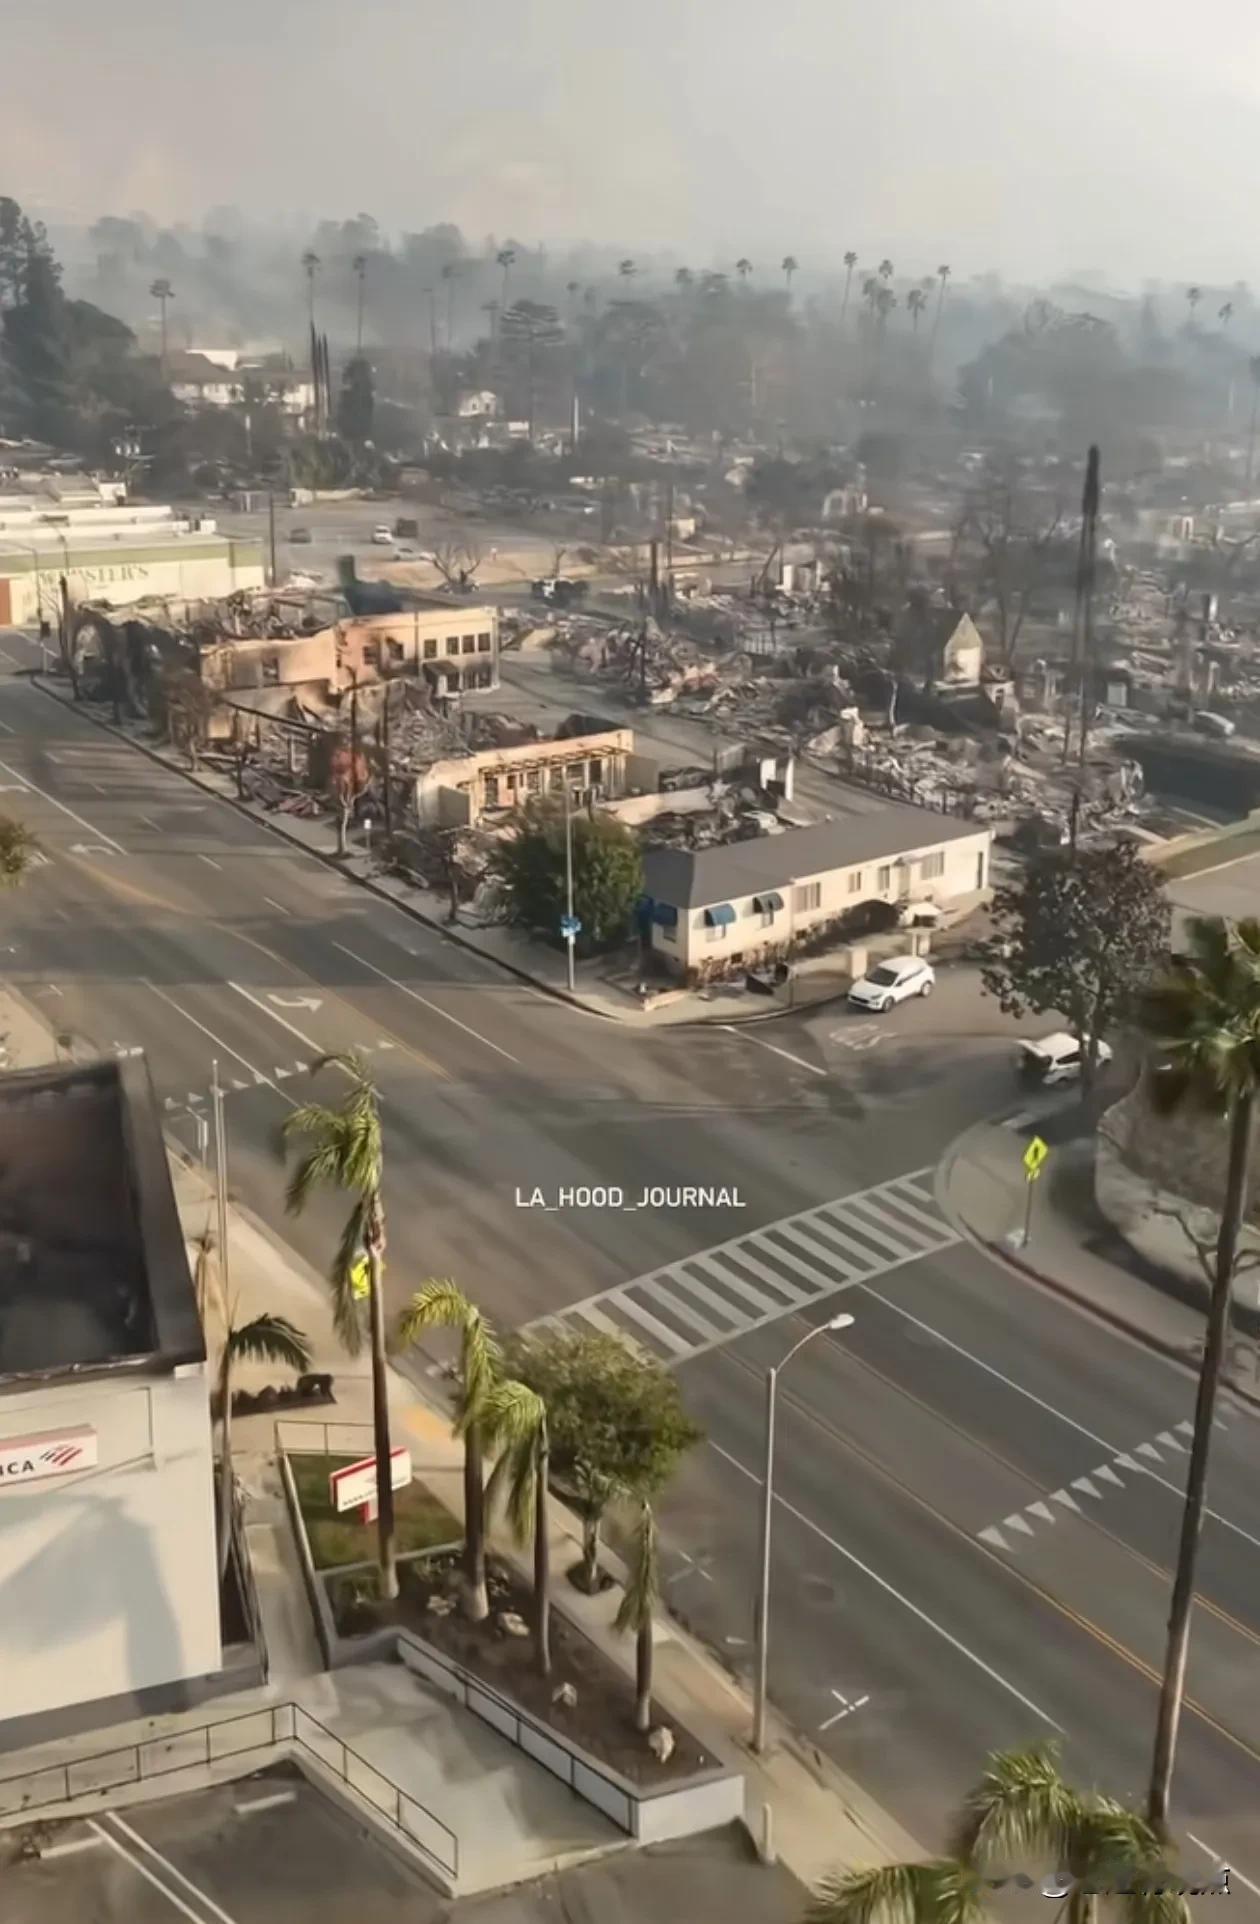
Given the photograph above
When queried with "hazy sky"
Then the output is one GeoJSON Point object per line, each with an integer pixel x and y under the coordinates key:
{"type": "Point", "coordinates": [1030, 136]}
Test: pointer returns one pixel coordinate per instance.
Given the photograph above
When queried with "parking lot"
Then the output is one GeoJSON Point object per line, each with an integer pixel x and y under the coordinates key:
{"type": "Point", "coordinates": [271, 1850]}
{"type": "Point", "coordinates": [1233, 890]}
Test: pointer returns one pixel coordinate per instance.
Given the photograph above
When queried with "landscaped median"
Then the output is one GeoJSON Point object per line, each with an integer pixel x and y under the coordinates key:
{"type": "Point", "coordinates": [577, 1722]}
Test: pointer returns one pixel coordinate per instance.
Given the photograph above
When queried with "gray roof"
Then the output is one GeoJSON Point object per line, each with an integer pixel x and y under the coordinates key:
{"type": "Point", "coordinates": [694, 878]}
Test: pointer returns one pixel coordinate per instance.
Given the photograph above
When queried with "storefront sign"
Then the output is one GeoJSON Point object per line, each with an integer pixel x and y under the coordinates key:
{"type": "Point", "coordinates": [25, 1459]}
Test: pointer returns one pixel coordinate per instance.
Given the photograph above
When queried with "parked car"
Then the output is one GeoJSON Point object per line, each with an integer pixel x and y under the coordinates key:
{"type": "Point", "coordinates": [1209, 723]}
{"type": "Point", "coordinates": [301, 536]}
{"type": "Point", "coordinates": [895, 980]}
{"type": "Point", "coordinates": [1054, 1058]}
{"type": "Point", "coordinates": [382, 535]}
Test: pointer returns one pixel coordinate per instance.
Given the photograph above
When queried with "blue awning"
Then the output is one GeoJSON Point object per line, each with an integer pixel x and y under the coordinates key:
{"type": "Point", "coordinates": [719, 916]}
{"type": "Point", "coordinates": [664, 916]}
{"type": "Point", "coordinates": [767, 904]}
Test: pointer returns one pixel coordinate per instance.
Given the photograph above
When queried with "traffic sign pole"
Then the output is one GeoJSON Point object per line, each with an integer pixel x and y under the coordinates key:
{"type": "Point", "coordinates": [1030, 1184]}
{"type": "Point", "coordinates": [1034, 1157]}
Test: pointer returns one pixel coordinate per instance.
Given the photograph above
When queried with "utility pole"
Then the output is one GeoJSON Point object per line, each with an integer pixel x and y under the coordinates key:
{"type": "Point", "coordinates": [220, 1171]}
{"type": "Point", "coordinates": [387, 794]}
{"type": "Point", "coordinates": [1082, 616]}
{"type": "Point", "coordinates": [271, 531]}
{"type": "Point", "coordinates": [569, 936]}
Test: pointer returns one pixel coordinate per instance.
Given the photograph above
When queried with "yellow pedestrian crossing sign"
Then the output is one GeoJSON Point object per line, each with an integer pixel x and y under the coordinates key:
{"type": "Point", "coordinates": [1034, 1156]}
{"type": "Point", "coordinates": [360, 1279]}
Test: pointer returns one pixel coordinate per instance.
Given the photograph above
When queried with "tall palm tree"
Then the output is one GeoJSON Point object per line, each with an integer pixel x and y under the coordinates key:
{"type": "Point", "coordinates": [516, 1429]}
{"type": "Point", "coordinates": [162, 292]}
{"type": "Point", "coordinates": [683, 277]}
{"type": "Point", "coordinates": [359, 264]}
{"type": "Point", "coordinates": [18, 849]}
{"type": "Point", "coordinates": [885, 270]}
{"type": "Point", "coordinates": [344, 1150]}
{"type": "Point", "coordinates": [1203, 1018]}
{"type": "Point", "coordinates": [627, 269]}
{"type": "Point", "coordinates": [637, 1610]}
{"type": "Point", "coordinates": [1022, 1811]}
{"type": "Point", "coordinates": [850, 262]}
{"type": "Point", "coordinates": [743, 267]}
{"type": "Point", "coordinates": [942, 277]}
{"type": "Point", "coordinates": [450, 274]}
{"type": "Point", "coordinates": [572, 289]}
{"type": "Point", "coordinates": [1253, 368]}
{"type": "Point", "coordinates": [441, 1304]}
{"type": "Point", "coordinates": [916, 302]}
{"type": "Point", "coordinates": [506, 259]}
{"type": "Point", "coordinates": [1225, 314]}
{"type": "Point", "coordinates": [310, 267]}
{"type": "Point", "coordinates": [1193, 296]}
{"type": "Point", "coordinates": [789, 264]}
{"type": "Point", "coordinates": [264, 1339]}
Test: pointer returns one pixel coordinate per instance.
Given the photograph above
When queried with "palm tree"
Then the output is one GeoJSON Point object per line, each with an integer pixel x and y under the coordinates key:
{"type": "Point", "coordinates": [441, 1304]}
{"type": "Point", "coordinates": [264, 1339]}
{"type": "Point", "coordinates": [1225, 314]}
{"type": "Point", "coordinates": [516, 1427]}
{"type": "Point", "coordinates": [345, 1151]}
{"type": "Point", "coordinates": [885, 270]}
{"type": "Point", "coordinates": [572, 289]}
{"type": "Point", "coordinates": [18, 849]}
{"type": "Point", "coordinates": [162, 292]}
{"type": "Point", "coordinates": [942, 275]}
{"type": "Point", "coordinates": [916, 301]}
{"type": "Point", "coordinates": [450, 273]}
{"type": "Point", "coordinates": [1193, 296]}
{"type": "Point", "coordinates": [743, 267]}
{"type": "Point", "coordinates": [627, 269]}
{"type": "Point", "coordinates": [638, 1608]}
{"type": "Point", "coordinates": [1021, 1810]}
{"type": "Point", "coordinates": [789, 264]}
{"type": "Point", "coordinates": [850, 262]}
{"type": "Point", "coordinates": [310, 267]}
{"type": "Point", "coordinates": [506, 259]}
{"type": "Point", "coordinates": [1203, 1017]}
{"type": "Point", "coordinates": [1253, 368]}
{"type": "Point", "coordinates": [683, 277]}
{"type": "Point", "coordinates": [359, 264]}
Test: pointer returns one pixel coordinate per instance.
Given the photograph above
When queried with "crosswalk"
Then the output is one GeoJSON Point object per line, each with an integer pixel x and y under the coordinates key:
{"type": "Point", "coordinates": [711, 1298]}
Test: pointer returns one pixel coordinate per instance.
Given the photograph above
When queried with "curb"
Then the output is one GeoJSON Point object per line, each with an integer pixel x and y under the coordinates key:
{"type": "Point", "coordinates": [447, 929]}
{"type": "Point", "coordinates": [1002, 1253]}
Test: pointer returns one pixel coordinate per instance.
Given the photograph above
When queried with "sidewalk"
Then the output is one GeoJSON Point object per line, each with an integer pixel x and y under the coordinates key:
{"type": "Point", "coordinates": [603, 989]}
{"type": "Point", "coordinates": [1074, 1249]}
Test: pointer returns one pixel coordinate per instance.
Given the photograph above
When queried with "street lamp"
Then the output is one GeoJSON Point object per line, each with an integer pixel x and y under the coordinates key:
{"type": "Point", "coordinates": [842, 1321]}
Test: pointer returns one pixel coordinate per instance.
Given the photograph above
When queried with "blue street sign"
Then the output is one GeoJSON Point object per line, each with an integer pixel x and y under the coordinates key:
{"type": "Point", "coordinates": [569, 925]}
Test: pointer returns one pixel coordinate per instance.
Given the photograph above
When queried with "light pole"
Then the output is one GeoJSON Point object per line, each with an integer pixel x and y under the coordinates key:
{"type": "Point", "coordinates": [570, 929]}
{"type": "Point", "coordinates": [841, 1321]}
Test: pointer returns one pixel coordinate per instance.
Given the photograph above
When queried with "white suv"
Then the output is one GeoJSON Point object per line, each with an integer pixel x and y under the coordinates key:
{"type": "Point", "coordinates": [895, 980]}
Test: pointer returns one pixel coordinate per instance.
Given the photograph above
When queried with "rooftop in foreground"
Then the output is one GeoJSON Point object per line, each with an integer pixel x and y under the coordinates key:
{"type": "Point", "coordinates": [93, 1273]}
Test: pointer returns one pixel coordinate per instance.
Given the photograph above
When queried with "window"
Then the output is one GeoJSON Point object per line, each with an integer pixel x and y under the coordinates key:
{"type": "Point", "coordinates": [470, 677]}
{"type": "Point", "coordinates": [669, 931]}
{"type": "Point", "coordinates": [714, 932]}
{"type": "Point", "coordinates": [933, 865]}
{"type": "Point", "coordinates": [492, 791]}
{"type": "Point", "coordinates": [883, 880]}
{"type": "Point", "coordinates": [533, 780]}
{"type": "Point", "coordinates": [395, 651]}
{"type": "Point", "coordinates": [767, 917]}
{"type": "Point", "coordinates": [470, 644]}
{"type": "Point", "coordinates": [452, 644]}
{"type": "Point", "coordinates": [855, 881]}
{"type": "Point", "coordinates": [556, 783]}
{"type": "Point", "coordinates": [510, 781]}
{"type": "Point", "coordinates": [372, 653]}
{"type": "Point", "coordinates": [430, 647]}
{"type": "Point", "coordinates": [808, 895]}
{"type": "Point", "coordinates": [484, 679]}
{"type": "Point", "coordinates": [483, 644]}
{"type": "Point", "coordinates": [271, 671]}
{"type": "Point", "coordinates": [597, 770]}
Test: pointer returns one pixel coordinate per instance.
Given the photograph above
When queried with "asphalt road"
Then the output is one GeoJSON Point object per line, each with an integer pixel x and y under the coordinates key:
{"type": "Point", "coordinates": [916, 1623]}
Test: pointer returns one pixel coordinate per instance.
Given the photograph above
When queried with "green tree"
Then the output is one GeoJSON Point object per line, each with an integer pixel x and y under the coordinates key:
{"type": "Point", "coordinates": [1202, 1016]}
{"type": "Point", "coordinates": [526, 329]}
{"type": "Point", "coordinates": [264, 1339]}
{"type": "Point", "coordinates": [441, 1304]}
{"type": "Point", "coordinates": [617, 1424]}
{"type": "Point", "coordinates": [344, 1150]}
{"type": "Point", "coordinates": [637, 1610]}
{"type": "Point", "coordinates": [607, 874]}
{"type": "Point", "coordinates": [1022, 1811]}
{"type": "Point", "coordinates": [1079, 934]}
{"type": "Point", "coordinates": [516, 1425]}
{"type": "Point", "coordinates": [18, 849]}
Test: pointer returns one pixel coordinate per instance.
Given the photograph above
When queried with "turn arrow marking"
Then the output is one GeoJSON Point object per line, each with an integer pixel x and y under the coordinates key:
{"type": "Point", "coordinates": [311, 1002]}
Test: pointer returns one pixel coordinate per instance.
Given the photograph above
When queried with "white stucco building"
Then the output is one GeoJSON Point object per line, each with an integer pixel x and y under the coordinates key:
{"type": "Point", "coordinates": [108, 1566]}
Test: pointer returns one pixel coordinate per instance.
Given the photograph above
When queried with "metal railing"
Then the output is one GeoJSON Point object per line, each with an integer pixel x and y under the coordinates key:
{"type": "Point", "coordinates": [354, 1438]}
{"type": "Point", "coordinates": [207, 1744]}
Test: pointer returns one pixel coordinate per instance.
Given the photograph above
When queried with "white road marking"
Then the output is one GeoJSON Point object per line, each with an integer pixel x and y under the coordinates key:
{"type": "Point", "coordinates": [402, 986]}
{"type": "Point", "coordinates": [731, 1028]}
{"type": "Point", "coordinates": [311, 1002]}
{"type": "Point", "coordinates": [272, 1801]}
{"type": "Point", "coordinates": [1050, 1410]}
{"type": "Point", "coordinates": [209, 859]}
{"type": "Point", "coordinates": [130, 1858]}
{"type": "Point", "coordinates": [847, 1709]}
{"type": "Point", "coordinates": [227, 1048]}
{"type": "Point", "coordinates": [150, 823]}
{"type": "Point", "coordinates": [1233, 1869]}
{"type": "Point", "coordinates": [172, 1870]}
{"type": "Point", "coordinates": [275, 1015]}
{"type": "Point", "coordinates": [43, 793]}
{"type": "Point", "coordinates": [883, 1583]}
{"type": "Point", "coordinates": [279, 907]}
{"type": "Point", "coordinates": [8, 728]}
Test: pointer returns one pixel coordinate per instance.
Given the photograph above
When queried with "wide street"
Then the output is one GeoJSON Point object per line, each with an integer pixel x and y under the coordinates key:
{"type": "Point", "coordinates": [978, 1484]}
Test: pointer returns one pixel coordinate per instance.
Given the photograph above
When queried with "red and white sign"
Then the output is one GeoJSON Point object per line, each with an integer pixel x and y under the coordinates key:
{"type": "Point", "coordinates": [354, 1487]}
{"type": "Point", "coordinates": [25, 1459]}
